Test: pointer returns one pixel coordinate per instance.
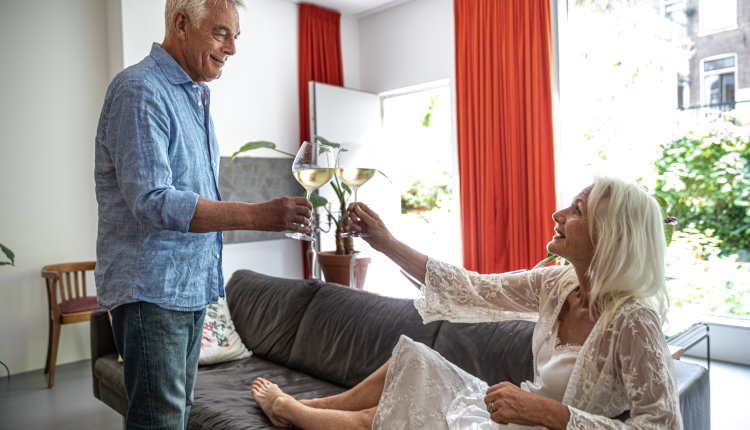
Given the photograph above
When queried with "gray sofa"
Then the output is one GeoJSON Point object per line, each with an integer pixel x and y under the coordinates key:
{"type": "Point", "coordinates": [315, 339]}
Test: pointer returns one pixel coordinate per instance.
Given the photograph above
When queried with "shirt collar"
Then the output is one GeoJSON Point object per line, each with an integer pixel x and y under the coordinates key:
{"type": "Point", "coordinates": [175, 74]}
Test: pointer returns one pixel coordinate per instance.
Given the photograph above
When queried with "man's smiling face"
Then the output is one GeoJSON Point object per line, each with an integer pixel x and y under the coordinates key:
{"type": "Point", "coordinates": [207, 45]}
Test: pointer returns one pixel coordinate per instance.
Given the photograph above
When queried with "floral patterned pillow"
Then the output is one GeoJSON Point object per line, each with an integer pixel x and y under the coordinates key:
{"type": "Point", "coordinates": [220, 342]}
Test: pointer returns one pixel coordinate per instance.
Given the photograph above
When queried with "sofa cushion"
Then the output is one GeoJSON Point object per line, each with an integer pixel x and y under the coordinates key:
{"type": "Point", "coordinates": [219, 340]}
{"type": "Point", "coordinates": [346, 334]}
{"type": "Point", "coordinates": [223, 399]}
{"type": "Point", "coordinates": [504, 344]}
{"type": "Point", "coordinates": [266, 311]}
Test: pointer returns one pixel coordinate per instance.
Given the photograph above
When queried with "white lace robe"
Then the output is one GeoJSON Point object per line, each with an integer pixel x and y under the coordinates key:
{"type": "Point", "coordinates": [623, 366]}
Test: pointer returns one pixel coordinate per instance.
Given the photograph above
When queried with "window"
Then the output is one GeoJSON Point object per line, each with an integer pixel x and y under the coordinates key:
{"type": "Point", "coordinates": [419, 202]}
{"type": "Point", "coordinates": [716, 15]}
{"type": "Point", "coordinates": [719, 82]}
{"type": "Point", "coordinates": [621, 114]}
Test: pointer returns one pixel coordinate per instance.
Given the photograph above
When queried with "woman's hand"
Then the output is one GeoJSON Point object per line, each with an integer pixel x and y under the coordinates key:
{"type": "Point", "coordinates": [363, 219]}
{"type": "Point", "coordinates": [507, 403]}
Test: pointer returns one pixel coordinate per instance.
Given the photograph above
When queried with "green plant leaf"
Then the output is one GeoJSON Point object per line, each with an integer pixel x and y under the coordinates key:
{"type": "Point", "coordinates": [428, 115]}
{"type": "Point", "coordinates": [9, 255]}
{"type": "Point", "coordinates": [668, 226]}
{"type": "Point", "coordinates": [385, 176]}
{"type": "Point", "coordinates": [663, 204]}
{"type": "Point", "coordinates": [550, 258]}
{"type": "Point", "coordinates": [668, 233]}
{"type": "Point", "coordinates": [323, 141]}
{"type": "Point", "coordinates": [317, 201]}
{"type": "Point", "coordinates": [346, 188]}
{"type": "Point", "coordinates": [257, 144]}
{"type": "Point", "coordinates": [426, 120]}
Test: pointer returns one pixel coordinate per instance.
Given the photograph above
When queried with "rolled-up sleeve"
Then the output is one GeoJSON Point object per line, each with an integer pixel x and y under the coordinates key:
{"type": "Point", "coordinates": [138, 139]}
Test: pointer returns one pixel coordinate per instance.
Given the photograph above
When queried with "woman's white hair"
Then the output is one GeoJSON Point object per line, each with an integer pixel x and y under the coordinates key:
{"type": "Point", "coordinates": [195, 9]}
{"type": "Point", "coordinates": [627, 227]}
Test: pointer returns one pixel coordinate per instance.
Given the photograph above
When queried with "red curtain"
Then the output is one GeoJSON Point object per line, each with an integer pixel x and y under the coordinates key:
{"type": "Point", "coordinates": [505, 144]}
{"type": "Point", "coordinates": [319, 52]}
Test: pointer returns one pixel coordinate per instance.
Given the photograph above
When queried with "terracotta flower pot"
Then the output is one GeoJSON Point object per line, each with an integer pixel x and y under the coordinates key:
{"type": "Point", "coordinates": [336, 268]}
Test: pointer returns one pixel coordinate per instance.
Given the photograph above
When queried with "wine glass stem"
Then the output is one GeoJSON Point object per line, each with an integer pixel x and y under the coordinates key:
{"type": "Point", "coordinates": [312, 228]}
{"type": "Point", "coordinates": [355, 194]}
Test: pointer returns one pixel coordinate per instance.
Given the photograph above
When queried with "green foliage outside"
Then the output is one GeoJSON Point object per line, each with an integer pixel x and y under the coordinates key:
{"type": "Point", "coordinates": [706, 178]}
{"type": "Point", "coordinates": [704, 282]}
{"type": "Point", "coordinates": [430, 108]}
{"type": "Point", "coordinates": [423, 197]}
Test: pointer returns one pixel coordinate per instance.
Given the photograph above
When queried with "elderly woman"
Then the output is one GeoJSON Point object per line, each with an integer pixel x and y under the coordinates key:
{"type": "Point", "coordinates": [598, 347]}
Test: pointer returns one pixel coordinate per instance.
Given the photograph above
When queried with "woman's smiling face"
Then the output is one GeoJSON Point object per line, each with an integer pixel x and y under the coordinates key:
{"type": "Point", "coordinates": [572, 239]}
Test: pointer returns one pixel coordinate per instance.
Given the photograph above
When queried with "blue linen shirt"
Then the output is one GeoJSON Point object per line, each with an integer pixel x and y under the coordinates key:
{"type": "Point", "coordinates": [156, 153]}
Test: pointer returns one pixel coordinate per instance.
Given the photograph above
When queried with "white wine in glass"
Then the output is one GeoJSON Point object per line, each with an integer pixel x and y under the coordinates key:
{"type": "Point", "coordinates": [354, 177]}
{"type": "Point", "coordinates": [314, 178]}
{"type": "Point", "coordinates": [355, 165]}
{"type": "Point", "coordinates": [313, 167]}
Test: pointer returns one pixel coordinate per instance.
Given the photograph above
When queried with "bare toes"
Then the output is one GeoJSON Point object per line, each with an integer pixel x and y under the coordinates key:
{"type": "Point", "coordinates": [267, 395]}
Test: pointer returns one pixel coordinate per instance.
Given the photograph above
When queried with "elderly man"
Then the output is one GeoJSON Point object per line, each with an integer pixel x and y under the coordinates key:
{"type": "Point", "coordinates": [160, 214]}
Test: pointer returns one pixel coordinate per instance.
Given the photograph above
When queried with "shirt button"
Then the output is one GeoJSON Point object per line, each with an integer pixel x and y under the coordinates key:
{"type": "Point", "coordinates": [217, 256]}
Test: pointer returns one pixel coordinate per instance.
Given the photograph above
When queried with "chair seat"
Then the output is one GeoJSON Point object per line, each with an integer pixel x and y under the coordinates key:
{"type": "Point", "coordinates": [81, 304]}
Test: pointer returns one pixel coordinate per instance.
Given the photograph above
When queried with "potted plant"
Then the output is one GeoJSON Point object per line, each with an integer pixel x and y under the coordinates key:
{"type": "Point", "coordinates": [335, 264]}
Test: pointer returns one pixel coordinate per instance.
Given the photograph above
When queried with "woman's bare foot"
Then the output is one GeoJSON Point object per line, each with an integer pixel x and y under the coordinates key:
{"type": "Point", "coordinates": [269, 397]}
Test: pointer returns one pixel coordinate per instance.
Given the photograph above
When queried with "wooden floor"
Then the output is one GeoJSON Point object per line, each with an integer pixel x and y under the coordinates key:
{"type": "Point", "coordinates": [26, 403]}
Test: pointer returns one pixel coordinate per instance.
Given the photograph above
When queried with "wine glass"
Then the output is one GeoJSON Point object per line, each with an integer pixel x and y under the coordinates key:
{"type": "Point", "coordinates": [355, 165]}
{"type": "Point", "coordinates": [312, 167]}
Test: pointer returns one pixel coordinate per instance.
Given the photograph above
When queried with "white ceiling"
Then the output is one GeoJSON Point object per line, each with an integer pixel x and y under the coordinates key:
{"type": "Point", "coordinates": [354, 7]}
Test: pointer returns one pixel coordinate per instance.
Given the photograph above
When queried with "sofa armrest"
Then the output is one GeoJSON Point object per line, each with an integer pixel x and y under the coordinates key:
{"type": "Point", "coordinates": [102, 341]}
{"type": "Point", "coordinates": [694, 389]}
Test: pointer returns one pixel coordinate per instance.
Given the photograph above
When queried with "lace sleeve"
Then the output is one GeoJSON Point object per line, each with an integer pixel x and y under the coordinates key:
{"type": "Point", "coordinates": [647, 373]}
{"type": "Point", "coordinates": [457, 295]}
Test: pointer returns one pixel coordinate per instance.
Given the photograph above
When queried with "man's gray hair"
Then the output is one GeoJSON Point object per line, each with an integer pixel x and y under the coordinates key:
{"type": "Point", "coordinates": [196, 10]}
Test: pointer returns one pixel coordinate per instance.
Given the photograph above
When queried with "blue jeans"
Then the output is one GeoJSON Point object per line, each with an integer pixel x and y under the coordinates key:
{"type": "Point", "coordinates": [160, 350]}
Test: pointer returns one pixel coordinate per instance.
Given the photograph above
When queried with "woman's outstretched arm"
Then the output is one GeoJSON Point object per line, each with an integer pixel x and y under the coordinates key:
{"type": "Point", "coordinates": [363, 219]}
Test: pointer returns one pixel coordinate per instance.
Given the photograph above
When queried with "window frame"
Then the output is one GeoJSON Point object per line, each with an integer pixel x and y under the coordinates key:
{"type": "Point", "coordinates": [706, 92]}
{"type": "Point", "coordinates": [702, 31]}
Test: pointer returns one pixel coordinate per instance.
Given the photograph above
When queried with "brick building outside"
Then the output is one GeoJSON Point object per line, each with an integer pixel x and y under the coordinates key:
{"type": "Point", "coordinates": [719, 69]}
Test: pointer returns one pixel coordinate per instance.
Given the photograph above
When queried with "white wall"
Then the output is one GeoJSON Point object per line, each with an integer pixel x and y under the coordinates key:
{"type": "Point", "coordinates": [406, 45]}
{"type": "Point", "coordinates": [59, 58]}
{"type": "Point", "coordinates": [52, 83]}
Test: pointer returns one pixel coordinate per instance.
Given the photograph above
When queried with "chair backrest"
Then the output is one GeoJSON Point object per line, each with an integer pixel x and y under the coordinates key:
{"type": "Point", "coordinates": [66, 281]}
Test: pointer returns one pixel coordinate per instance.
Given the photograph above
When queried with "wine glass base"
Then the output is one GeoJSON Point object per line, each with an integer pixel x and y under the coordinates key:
{"type": "Point", "coordinates": [354, 234]}
{"type": "Point", "coordinates": [300, 236]}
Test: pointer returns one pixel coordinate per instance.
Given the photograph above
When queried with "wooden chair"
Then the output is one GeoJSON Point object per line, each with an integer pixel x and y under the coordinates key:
{"type": "Point", "coordinates": [68, 303]}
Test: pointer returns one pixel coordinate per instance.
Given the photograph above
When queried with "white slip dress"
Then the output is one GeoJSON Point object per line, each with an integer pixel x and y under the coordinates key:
{"type": "Point", "coordinates": [423, 390]}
